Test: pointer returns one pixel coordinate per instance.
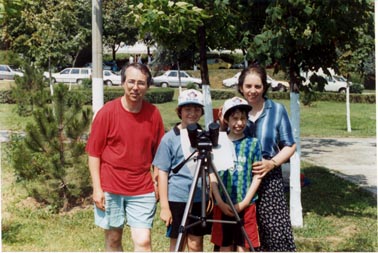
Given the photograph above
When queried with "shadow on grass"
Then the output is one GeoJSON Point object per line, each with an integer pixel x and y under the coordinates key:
{"type": "Point", "coordinates": [328, 194]}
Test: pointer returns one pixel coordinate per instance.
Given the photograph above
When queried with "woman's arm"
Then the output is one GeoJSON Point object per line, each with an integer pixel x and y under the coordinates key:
{"type": "Point", "coordinates": [264, 166]}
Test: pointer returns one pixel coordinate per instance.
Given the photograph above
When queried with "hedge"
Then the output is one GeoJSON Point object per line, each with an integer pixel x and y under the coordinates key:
{"type": "Point", "coordinates": [164, 95]}
{"type": "Point", "coordinates": [329, 96]}
{"type": "Point", "coordinates": [154, 96]}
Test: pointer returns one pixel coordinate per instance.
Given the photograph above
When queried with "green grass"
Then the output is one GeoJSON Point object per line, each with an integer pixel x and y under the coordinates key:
{"type": "Point", "coordinates": [337, 216]}
{"type": "Point", "coordinates": [9, 119]}
{"type": "Point", "coordinates": [322, 119]}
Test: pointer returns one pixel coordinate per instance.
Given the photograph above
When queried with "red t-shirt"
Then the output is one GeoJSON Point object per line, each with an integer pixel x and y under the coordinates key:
{"type": "Point", "coordinates": [126, 143]}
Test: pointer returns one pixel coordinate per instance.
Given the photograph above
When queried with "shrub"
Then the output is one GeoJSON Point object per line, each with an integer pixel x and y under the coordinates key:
{"type": "Point", "coordinates": [192, 86]}
{"type": "Point", "coordinates": [51, 161]}
{"type": "Point", "coordinates": [356, 88]}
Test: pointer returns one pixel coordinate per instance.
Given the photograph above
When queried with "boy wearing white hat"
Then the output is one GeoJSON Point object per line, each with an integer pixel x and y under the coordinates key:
{"type": "Point", "coordinates": [239, 181]}
{"type": "Point", "coordinates": [174, 188]}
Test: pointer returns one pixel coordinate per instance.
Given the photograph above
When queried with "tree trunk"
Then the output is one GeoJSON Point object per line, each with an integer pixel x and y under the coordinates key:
{"type": "Point", "coordinates": [203, 57]}
{"type": "Point", "coordinates": [114, 53]}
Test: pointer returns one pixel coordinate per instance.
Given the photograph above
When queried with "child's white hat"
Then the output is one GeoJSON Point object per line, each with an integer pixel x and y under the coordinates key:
{"type": "Point", "coordinates": [190, 96]}
{"type": "Point", "coordinates": [235, 102]}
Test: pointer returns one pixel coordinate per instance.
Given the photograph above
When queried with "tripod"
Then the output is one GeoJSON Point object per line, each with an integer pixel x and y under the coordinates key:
{"type": "Point", "coordinates": [205, 165]}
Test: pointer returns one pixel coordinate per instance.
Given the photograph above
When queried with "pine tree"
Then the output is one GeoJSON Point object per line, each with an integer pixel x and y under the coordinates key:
{"type": "Point", "coordinates": [51, 160]}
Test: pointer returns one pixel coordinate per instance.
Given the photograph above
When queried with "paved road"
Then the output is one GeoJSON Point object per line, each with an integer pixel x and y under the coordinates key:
{"type": "Point", "coordinates": [354, 159]}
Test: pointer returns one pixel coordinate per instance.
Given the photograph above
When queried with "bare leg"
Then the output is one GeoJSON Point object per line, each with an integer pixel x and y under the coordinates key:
{"type": "Point", "coordinates": [113, 240]}
{"type": "Point", "coordinates": [172, 245]}
{"type": "Point", "coordinates": [226, 249]}
{"type": "Point", "coordinates": [141, 239]}
{"type": "Point", "coordinates": [195, 243]}
{"type": "Point", "coordinates": [242, 249]}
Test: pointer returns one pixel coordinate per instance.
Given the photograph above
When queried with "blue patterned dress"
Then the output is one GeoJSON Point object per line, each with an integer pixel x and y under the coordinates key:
{"type": "Point", "coordinates": [273, 129]}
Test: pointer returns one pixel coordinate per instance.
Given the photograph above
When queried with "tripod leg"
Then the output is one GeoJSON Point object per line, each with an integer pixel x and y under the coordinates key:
{"type": "Point", "coordinates": [188, 207]}
{"type": "Point", "coordinates": [229, 201]}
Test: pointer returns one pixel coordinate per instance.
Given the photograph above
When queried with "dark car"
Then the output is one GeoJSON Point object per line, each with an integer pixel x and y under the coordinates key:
{"type": "Point", "coordinates": [238, 65]}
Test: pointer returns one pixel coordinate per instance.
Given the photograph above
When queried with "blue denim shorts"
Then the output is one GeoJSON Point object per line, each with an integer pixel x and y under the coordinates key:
{"type": "Point", "coordinates": [138, 211]}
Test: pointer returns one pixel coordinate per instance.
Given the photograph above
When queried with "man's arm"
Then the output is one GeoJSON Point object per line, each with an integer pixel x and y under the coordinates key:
{"type": "Point", "coordinates": [98, 194]}
{"type": "Point", "coordinates": [165, 212]}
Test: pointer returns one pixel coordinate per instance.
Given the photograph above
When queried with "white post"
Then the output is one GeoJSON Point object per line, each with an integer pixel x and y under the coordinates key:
{"type": "Point", "coordinates": [208, 106]}
{"type": "Point", "coordinates": [97, 78]}
{"type": "Point", "coordinates": [349, 128]}
{"type": "Point", "coordinates": [295, 191]}
{"type": "Point", "coordinates": [295, 165]}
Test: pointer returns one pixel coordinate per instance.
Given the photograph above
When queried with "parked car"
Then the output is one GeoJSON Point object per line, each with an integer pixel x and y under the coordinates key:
{"type": "Point", "coordinates": [239, 65]}
{"type": "Point", "coordinates": [336, 83]}
{"type": "Point", "coordinates": [278, 85]}
{"type": "Point", "coordinates": [9, 73]}
{"type": "Point", "coordinates": [275, 85]}
{"type": "Point", "coordinates": [170, 79]}
{"type": "Point", "coordinates": [70, 75]}
{"type": "Point", "coordinates": [216, 63]}
{"type": "Point", "coordinates": [110, 78]}
{"type": "Point", "coordinates": [113, 65]}
{"type": "Point", "coordinates": [333, 82]}
{"type": "Point", "coordinates": [232, 81]}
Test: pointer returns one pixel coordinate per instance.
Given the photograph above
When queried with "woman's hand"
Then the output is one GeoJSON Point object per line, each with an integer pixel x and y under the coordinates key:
{"type": "Point", "coordinates": [240, 206]}
{"type": "Point", "coordinates": [262, 168]}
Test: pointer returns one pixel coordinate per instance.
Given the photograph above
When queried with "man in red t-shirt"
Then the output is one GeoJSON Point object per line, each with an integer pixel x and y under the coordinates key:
{"type": "Point", "coordinates": [124, 137]}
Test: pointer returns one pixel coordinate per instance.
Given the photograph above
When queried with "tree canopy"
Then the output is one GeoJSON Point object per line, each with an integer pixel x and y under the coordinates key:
{"type": "Point", "coordinates": [306, 35]}
{"type": "Point", "coordinates": [291, 34]}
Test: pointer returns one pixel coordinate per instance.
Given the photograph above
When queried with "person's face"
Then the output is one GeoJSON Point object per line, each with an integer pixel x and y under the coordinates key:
{"type": "Point", "coordinates": [237, 122]}
{"type": "Point", "coordinates": [135, 85]}
{"type": "Point", "coordinates": [190, 114]}
{"type": "Point", "coordinates": [252, 88]}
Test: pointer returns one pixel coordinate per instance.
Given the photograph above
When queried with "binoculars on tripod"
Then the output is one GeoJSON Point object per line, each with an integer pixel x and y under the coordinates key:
{"type": "Point", "coordinates": [201, 139]}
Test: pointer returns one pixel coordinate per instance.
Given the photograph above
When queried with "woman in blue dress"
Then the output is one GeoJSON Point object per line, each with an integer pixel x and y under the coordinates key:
{"type": "Point", "coordinates": [269, 122]}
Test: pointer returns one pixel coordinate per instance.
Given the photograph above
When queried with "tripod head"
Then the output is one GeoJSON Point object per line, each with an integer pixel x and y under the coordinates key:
{"type": "Point", "coordinates": [203, 140]}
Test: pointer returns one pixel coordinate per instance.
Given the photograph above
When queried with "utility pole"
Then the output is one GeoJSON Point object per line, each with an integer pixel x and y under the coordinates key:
{"type": "Point", "coordinates": [97, 77]}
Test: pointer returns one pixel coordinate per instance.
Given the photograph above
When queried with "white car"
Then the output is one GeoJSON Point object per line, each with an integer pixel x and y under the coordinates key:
{"type": "Point", "coordinates": [276, 85]}
{"type": "Point", "coordinates": [335, 83]}
{"type": "Point", "coordinates": [232, 81]}
{"type": "Point", "coordinates": [8, 73]}
{"type": "Point", "coordinates": [110, 78]}
{"type": "Point", "coordinates": [70, 75]}
{"type": "Point", "coordinates": [170, 79]}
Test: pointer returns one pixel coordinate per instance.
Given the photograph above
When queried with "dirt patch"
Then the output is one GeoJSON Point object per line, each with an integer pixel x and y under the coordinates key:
{"type": "Point", "coordinates": [29, 203]}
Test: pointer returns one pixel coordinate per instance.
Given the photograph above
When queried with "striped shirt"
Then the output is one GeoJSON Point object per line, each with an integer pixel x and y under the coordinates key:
{"type": "Point", "coordinates": [238, 179]}
{"type": "Point", "coordinates": [272, 128]}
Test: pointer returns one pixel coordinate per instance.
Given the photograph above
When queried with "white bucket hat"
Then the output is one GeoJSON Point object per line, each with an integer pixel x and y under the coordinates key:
{"type": "Point", "coordinates": [235, 102]}
{"type": "Point", "coordinates": [190, 96]}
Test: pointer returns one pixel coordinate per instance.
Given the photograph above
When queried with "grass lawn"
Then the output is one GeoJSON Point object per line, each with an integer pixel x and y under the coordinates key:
{"type": "Point", "coordinates": [337, 216]}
